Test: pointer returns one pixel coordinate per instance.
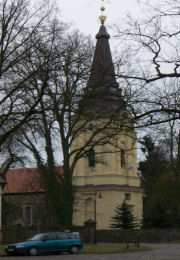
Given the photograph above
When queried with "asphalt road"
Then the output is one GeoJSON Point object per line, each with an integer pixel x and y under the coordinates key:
{"type": "Point", "coordinates": [159, 251]}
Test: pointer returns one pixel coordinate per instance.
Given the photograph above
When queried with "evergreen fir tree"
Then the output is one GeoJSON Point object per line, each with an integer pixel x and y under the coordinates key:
{"type": "Point", "coordinates": [124, 217]}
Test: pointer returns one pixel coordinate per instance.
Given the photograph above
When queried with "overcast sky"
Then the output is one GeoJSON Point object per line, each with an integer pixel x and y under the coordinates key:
{"type": "Point", "coordinates": [85, 13]}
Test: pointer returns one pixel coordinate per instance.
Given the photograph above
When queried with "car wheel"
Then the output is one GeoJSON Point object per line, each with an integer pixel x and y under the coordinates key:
{"type": "Point", "coordinates": [33, 251]}
{"type": "Point", "coordinates": [74, 250]}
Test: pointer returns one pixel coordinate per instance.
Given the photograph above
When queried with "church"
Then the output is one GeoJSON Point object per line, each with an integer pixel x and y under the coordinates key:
{"type": "Point", "coordinates": [108, 175]}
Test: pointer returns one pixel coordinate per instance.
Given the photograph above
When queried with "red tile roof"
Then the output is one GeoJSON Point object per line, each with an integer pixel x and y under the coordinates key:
{"type": "Point", "coordinates": [24, 180]}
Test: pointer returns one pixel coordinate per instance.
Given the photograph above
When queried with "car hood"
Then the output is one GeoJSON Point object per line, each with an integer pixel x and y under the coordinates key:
{"type": "Point", "coordinates": [20, 243]}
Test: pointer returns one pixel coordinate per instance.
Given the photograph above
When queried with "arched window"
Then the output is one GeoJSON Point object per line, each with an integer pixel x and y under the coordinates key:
{"type": "Point", "coordinates": [91, 157]}
{"type": "Point", "coordinates": [89, 209]}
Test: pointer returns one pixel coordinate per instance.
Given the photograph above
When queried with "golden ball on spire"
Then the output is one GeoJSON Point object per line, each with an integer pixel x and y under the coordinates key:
{"type": "Point", "coordinates": [102, 18]}
{"type": "Point", "coordinates": [102, 8]}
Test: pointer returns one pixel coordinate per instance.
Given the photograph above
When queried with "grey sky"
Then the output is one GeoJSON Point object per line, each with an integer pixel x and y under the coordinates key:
{"type": "Point", "coordinates": [85, 13]}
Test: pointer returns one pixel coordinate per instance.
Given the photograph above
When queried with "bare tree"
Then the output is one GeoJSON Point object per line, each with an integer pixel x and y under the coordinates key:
{"type": "Point", "coordinates": [69, 110]}
{"type": "Point", "coordinates": [150, 61]}
{"type": "Point", "coordinates": [156, 37]}
{"type": "Point", "coordinates": [13, 155]}
{"type": "Point", "coordinates": [68, 71]}
{"type": "Point", "coordinates": [19, 24]}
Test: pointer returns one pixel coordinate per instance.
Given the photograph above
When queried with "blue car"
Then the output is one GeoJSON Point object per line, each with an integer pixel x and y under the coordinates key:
{"type": "Point", "coordinates": [47, 243]}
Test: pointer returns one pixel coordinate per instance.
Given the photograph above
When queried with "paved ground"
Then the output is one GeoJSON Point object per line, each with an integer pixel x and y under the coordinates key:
{"type": "Point", "coordinates": [159, 251]}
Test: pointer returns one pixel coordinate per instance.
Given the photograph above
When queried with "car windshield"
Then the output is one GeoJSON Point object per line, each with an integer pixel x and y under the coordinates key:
{"type": "Point", "coordinates": [36, 237]}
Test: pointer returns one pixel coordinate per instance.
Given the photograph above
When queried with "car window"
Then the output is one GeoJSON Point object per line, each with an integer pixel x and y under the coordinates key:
{"type": "Point", "coordinates": [51, 236]}
{"type": "Point", "coordinates": [75, 235]}
{"type": "Point", "coordinates": [36, 237]}
{"type": "Point", "coordinates": [62, 236]}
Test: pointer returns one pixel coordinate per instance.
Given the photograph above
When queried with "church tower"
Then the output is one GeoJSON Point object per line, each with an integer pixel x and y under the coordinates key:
{"type": "Point", "coordinates": [108, 175]}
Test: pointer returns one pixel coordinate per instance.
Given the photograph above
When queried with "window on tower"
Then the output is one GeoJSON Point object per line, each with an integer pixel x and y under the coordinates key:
{"type": "Point", "coordinates": [127, 196]}
{"type": "Point", "coordinates": [122, 158]}
{"type": "Point", "coordinates": [91, 157]}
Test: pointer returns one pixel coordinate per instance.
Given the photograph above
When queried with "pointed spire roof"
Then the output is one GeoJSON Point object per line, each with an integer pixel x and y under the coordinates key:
{"type": "Point", "coordinates": [102, 93]}
{"type": "Point", "coordinates": [102, 70]}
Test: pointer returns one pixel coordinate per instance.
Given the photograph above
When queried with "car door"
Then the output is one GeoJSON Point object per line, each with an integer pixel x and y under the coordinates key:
{"type": "Point", "coordinates": [48, 243]}
{"type": "Point", "coordinates": [63, 241]}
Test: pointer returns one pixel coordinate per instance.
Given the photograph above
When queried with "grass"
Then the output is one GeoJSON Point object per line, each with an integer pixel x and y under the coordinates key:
{"type": "Point", "coordinates": [102, 248]}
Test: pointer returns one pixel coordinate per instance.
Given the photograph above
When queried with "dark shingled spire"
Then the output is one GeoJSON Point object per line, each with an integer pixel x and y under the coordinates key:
{"type": "Point", "coordinates": [102, 71]}
{"type": "Point", "coordinates": [102, 93]}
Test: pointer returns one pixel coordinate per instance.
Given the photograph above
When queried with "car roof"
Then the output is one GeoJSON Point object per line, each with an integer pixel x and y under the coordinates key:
{"type": "Point", "coordinates": [56, 232]}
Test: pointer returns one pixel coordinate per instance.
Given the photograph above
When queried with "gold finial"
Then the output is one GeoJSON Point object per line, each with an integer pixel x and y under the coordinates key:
{"type": "Point", "coordinates": [102, 8]}
{"type": "Point", "coordinates": [102, 17]}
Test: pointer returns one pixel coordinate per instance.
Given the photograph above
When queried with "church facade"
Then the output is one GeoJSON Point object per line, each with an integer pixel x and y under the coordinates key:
{"type": "Point", "coordinates": [108, 175]}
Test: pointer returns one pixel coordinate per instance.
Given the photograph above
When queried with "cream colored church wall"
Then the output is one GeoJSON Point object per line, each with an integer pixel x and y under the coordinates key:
{"type": "Point", "coordinates": [105, 206]}
{"type": "Point", "coordinates": [106, 179]}
{"type": "Point", "coordinates": [107, 174]}
{"type": "Point", "coordinates": [108, 158]}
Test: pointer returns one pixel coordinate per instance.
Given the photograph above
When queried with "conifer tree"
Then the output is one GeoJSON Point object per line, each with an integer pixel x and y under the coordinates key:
{"type": "Point", "coordinates": [124, 217]}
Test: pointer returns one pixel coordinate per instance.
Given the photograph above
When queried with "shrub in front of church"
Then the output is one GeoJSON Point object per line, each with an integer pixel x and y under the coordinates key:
{"type": "Point", "coordinates": [124, 217]}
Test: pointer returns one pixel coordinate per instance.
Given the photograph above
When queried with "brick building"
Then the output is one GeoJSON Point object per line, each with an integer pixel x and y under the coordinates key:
{"type": "Point", "coordinates": [23, 197]}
